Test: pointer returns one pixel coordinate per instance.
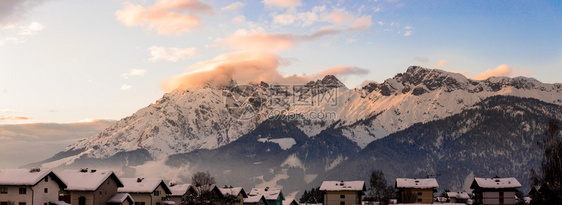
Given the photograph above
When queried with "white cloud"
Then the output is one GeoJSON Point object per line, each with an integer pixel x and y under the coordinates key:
{"type": "Point", "coordinates": [134, 72]}
{"type": "Point", "coordinates": [170, 54]}
{"type": "Point", "coordinates": [291, 16]}
{"type": "Point", "coordinates": [234, 6]}
{"type": "Point", "coordinates": [408, 33]}
{"type": "Point", "coordinates": [126, 87]}
{"type": "Point", "coordinates": [31, 29]}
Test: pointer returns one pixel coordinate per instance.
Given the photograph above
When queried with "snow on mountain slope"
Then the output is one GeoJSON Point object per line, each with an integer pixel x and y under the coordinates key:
{"type": "Point", "coordinates": [420, 95]}
{"type": "Point", "coordinates": [186, 120]}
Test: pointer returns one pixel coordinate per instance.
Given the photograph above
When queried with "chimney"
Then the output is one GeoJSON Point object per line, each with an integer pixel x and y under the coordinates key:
{"type": "Point", "coordinates": [266, 188]}
{"type": "Point", "coordinates": [139, 180]}
{"type": "Point", "coordinates": [84, 170]}
{"type": "Point", "coordinates": [93, 170]}
{"type": "Point", "coordinates": [341, 183]}
{"type": "Point", "coordinates": [35, 169]}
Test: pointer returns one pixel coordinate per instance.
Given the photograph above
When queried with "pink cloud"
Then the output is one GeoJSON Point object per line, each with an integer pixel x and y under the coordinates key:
{"type": "Point", "coordinates": [166, 16]}
{"type": "Point", "coordinates": [362, 22]}
{"type": "Point", "coordinates": [441, 63]}
{"type": "Point", "coordinates": [502, 70]}
{"type": "Point", "coordinates": [256, 40]}
{"type": "Point", "coordinates": [344, 71]}
{"type": "Point", "coordinates": [282, 3]}
{"type": "Point", "coordinates": [247, 67]}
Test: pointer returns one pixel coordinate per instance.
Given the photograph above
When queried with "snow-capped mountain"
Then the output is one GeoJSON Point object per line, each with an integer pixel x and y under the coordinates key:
{"type": "Point", "coordinates": [287, 130]}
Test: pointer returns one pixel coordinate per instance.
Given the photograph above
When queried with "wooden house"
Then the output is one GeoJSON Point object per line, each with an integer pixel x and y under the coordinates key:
{"type": "Point", "coordinates": [343, 192]}
{"type": "Point", "coordinates": [416, 190]}
{"type": "Point", "coordinates": [494, 190]}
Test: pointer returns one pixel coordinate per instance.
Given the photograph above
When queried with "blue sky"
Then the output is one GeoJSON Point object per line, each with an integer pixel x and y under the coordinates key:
{"type": "Point", "coordinates": [67, 61]}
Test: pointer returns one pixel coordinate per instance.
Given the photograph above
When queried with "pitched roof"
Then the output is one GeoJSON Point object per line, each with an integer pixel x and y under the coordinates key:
{"type": "Point", "coordinates": [84, 180]}
{"type": "Point", "coordinates": [254, 199]}
{"type": "Point", "coordinates": [289, 202]}
{"type": "Point", "coordinates": [495, 183]}
{"type": "Point", "coordinates": [458, 195]}
{"type": "Point", "coordinates": [142, 185]}
{"type": "Point", "coordinates": [268, 193]}
{"type": "Point", "coordinates": [234, 191]}
{"type": "Point", "coordinates": [343, 186]}
{"type": "Point", "coordinates": [120, 198]}
{"type": "Point", "coordinates": [180, 189]}
{"type": "Point", "coordinates": [27, 177]}
{"type": "Point", "coordinates": [416, 183]}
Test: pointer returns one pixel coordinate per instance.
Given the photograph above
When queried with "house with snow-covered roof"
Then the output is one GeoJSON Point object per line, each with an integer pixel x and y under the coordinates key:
{"type": "Point", "coordinates": [149, 191]}
{"type": "Point", "coordinates": [494, 190]}
{"type": "Point", "coordinates": [181, 193]}
{"type": "Point", "coordinates": [274, 196]}
{"type": "Point", "coordinates": [457, 197]}
{"type": "Point", "coordinates": [416, 190]}
{"type": "Point", "coordinates": [29, 186]}
{"type": "Point", "coordinates": [290, 202]}
{"type": "Point", "coordinates": [237, 193]}
{"type": "Point", "coordinates": [343, 192]}
{"type": "Point", "coordinates": [121, 199]}
{"type": "Point", "coordinates": [89, 187]}
{"type": "Point", "coordinates": [255, 200]}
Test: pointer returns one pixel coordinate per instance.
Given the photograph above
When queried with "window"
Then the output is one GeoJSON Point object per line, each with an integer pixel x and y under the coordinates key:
{"type": "Point", "coordinates": [156, 193]}
{"type": "Point", "coordinates": [4, 203]}
{"type": "Point", "coordinates": [139, 203]}
{"type": "Point", "coordinates": [419, 193]}
{"type": "Point", "coordinates": [23, 190]}
{"type": "Point", "coordinates": [46, 190]}
{"type": "Point", "coordinates": [4, 190]}
{"type": "Point", "coordinates": [82, 200]}
{"type": "Point", "coordinates": [47, 179]}
{"type": "Point", "coordinates": [22, 203]}
{"type": "Point", "coordinates": [501, 200]}
{"type": "Point", "coordinates": [419, 199]}
{"type": "Point", "coordinates": [501, 193]}
{"type": "Point", "coordinates": [100, 193]}
{"type": "Point", "coordinates": [158, 203]}
{"type": "Point", "coordinates": [342, 196]}
{"type": "Point", "coordinates": [342, 202]}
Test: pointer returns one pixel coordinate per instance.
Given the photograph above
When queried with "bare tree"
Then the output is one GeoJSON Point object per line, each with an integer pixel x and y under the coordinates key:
{"type": "Point", "coordinates": [204, 183]}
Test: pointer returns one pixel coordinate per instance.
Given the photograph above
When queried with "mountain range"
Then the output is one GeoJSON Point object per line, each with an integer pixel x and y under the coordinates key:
{"type": "Point", "coordinates": [423, 122]}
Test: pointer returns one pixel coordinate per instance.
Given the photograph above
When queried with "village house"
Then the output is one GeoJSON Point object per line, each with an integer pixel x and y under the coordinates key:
{"type": "Point", "coordinates": [494, 190]}
{"type": "Point", "coordinates": [343, 192]}
{"type": "Point", "coordinates": [121, 199]}
{"type": "Point", "coordinates": [181, 193]}
{"type": "Point", "coordinates": [89, 187]}
{"type": "Point", "coordinates": [29, 187]}
{"type": "Point", "coordinates": [274, 196]}
{"type": "Point", "coordinates": [255, 200]}
{"type": "Point", "coordinates": [457, 197]}
{"type": "Point", "coordinates": [416, 190]}
{"type": "Point", "coordinates": [236, 192]}
{"type": "Point", "coordinates": [290, 202]}
{"type": "Point", "coordinates": [149, 191]}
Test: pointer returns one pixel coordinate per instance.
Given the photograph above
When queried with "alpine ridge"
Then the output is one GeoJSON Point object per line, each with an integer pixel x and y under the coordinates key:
{"type": "Point", "coordinates": [324, 123]}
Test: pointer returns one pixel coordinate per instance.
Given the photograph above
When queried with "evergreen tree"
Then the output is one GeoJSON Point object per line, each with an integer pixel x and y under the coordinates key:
{"type": "Point", "coordinates": [550, 175]}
